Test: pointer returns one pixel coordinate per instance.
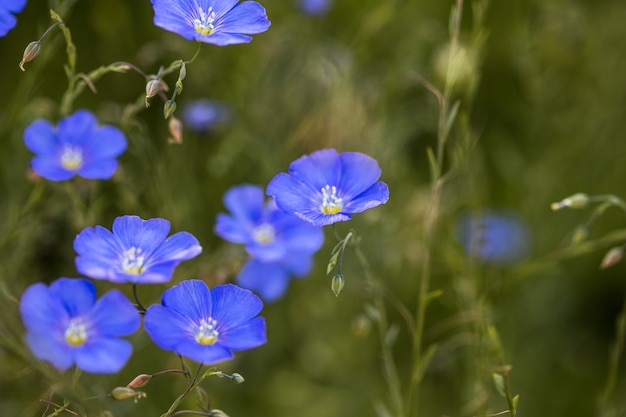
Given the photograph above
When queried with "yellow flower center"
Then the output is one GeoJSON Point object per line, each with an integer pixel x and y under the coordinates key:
{"type": "Point", "coordinates": [204, 25]}
{"type": "Point", "coordinates": [133, 261]}
{"type": "Point", "coordinates": [76, 332]}
{"type": "Point", "coordinates": [264, 233]}
{"type": "Point", "coordinates": [72, 157]}
{"type": "Point", "coordinates": [206, 333]}
{"type": "Point", "coordinates": [331, 203]}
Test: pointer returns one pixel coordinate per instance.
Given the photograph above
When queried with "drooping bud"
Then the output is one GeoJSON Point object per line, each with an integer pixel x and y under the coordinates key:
{"type": "Point", "coordinates": [125, 393]}
{"type": "Point", "coordinates": [337, 284]}
{"type": "Point", "coordinates": [139, 381]}
{"type": "Point", "coordinates": [579, 235]}
{"type": "Point", "coordinates": [576, 201]}
{"type": "Point", "coordinates": [175, 127]}
{"type": "Point", "coordinates": [218, 413]}
{"type": "Point", "coordinates": [169, 108]}
{"type": "Point", "coordinates": [612, 257]}
{"type": "Point", "coordinates": [152, 89]}
{"type": "Point", "coordinates": [31, 51]}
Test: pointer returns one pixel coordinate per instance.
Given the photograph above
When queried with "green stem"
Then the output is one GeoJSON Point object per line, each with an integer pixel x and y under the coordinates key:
{"type": "Point", "coordinates": [614, 359]}
{"type": "Point", "coordinates": [389, 367]}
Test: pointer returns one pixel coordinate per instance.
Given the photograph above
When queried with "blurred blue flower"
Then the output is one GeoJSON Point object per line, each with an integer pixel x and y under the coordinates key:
{"type": "Point", "coordinates": [202, 115]}
{"type": "Point", "coordinates": [206, 325]}
{"type": "Point", "coordinates": [314, 7]}
{"type": "Point", "coordinates": [65, 325]}
{"type": "Point", "coordinates": [326, 187]}
{"type": "Point", "coordinates": [76, 146]}
{"type": "Point", "coordinates": [137, 251]}
{"type": "Point", "coordinates": [493, 236]}
{"type": "Point", "coordinates": [219, 22]}
{"type": "Point", "coordinates": [280, 244]}
{"type": "Point", "coordinates": [7, 10]}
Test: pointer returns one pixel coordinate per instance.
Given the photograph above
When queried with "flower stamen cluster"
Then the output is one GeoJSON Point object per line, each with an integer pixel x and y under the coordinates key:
{"type": "Point", "coordinates": [72, 158]}
{"type": "Point", "coordinates": [76, 332]}
{"type": "Point", "coordinates": [133, 261]}
{"type": "Point", "coordinates": [207, 334]}
{"type": "Point", "coordinates": [331, 203]}
{"type": "Point", "coordinates": [204, 25]}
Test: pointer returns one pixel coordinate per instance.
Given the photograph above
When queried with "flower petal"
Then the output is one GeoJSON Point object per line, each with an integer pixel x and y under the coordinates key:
{"type": "Point", "coordinates": [106, 142]}
{"type": "Point", "coordinates": [293, 196]}
{"type": "Point", "coordinates": [248, 17]}
{"type": "Point", "coordinates": [166, 326]}
{"type": "Point", "coordinates": [40, 311]}
{"type": "Point", "coordinates": [101, 169]}
{"type": "Point", "coordinates": [233, 305]}
{"type": "Point", "coordinates": [191, 298]}
{"type": "Point", "coordinates": [114, 315]}
{"type": "Point", "coordinates": [103, 356]}
{"type": "Point", "coordinates": [77, 295]}
{"type": "Point", "coordinates": [178, 247]}
{"type": "Point", "coordinates": [317, 169]}
{"type": "Point", "coordinates": [40, 137]}
{"type": "Point", "coordinates": [133, 231]}
{"type": "Point", "coordinates": [231, 229]}
{"type": "Point", "coordinates": [223, 38]}
{"type": "Point", "coordinates": [206, 354]}
{"type": "Point", "coordinates": [77, 127]}
{"type": "Point", "coordinates": [268, 279]}
{"type": "Point", "coordinates": [50, 168]}
{"type": "Point", "coordinates": [247, 335]}
{"type": "Point", "coordinates": [358, 173]}
{"type": "Point", "coordinates": [51, 349]}
{"type": "Point", "coordinates": [375, 195]}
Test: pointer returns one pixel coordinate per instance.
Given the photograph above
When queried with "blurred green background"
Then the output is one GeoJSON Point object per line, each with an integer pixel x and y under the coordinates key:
{"type": "Point", "coordinates": [542, 117]}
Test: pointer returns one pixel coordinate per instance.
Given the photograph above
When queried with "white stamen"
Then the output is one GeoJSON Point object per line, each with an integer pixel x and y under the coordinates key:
{"type": "Point", "coordinates": [204, 25]}
{"type": "Point", "coordinates": [133, 260]}
{"type": "Point", "coordinates": [72, 157]}
{"type": "Point", "coordinates": [331, 203]}
{"type": "Point", "coordinates": [264, 233]}
{"type": "Point", "coordinates": [206, 333]}
{"type": "Point", "coordinates": [76, 332]}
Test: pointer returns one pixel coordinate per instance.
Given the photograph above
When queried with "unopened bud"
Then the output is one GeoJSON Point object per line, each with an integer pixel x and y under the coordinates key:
{"type": "Point", "coordinates": [612, 257]}
{"type": "Point", "coordinates": [218, 413]}
{"type": "Point", "coordinates": [139, 381]}
{"type": "Point", "coordinates": [31, 51]}
{"type": "Point", "coordinates": [175, 127]}
{"type": "Point", "coordinates": [237, 378]}
{"type": "Point", "coordinates": [125, 393]}
{"type": "Point", "coordinates": [152, 89]}
{"type": "Point", "coordinates": [576, 201]}
{"type": "Point", "coordinates": [337, 284]}
{"type": "Point", "coordinates": [169, 108]}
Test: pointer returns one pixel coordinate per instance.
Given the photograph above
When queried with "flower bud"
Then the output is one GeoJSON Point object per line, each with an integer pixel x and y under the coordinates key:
{"type": "Point", "coordinates": [175, 127]}
{"type": "Point", "coordinates": [612, 257]}
{"type": "Point", "coordinates": [31, 51]}
{"type": "Point", "coordinates": [576, 201]}
{"type": "Point", "coordinates": [152, 89]}
{"type": "Point", "coordinates": [237, 378]}
{"type": "Point", "coordinates": [139, 381]}
{"type": "Point", "coordinates": [169, 108]}
{"type": "Point", "coordinates": [218, 413]}
{"type": "Point", "coordinates": [337, 284]}
{"type": "Point", "coordinates": [123, 393]}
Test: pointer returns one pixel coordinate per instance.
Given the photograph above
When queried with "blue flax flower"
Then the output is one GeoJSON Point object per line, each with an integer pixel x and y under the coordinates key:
{"type": "Point", "coordinates": [279, 244]}
{"type": "Point", "coordinates": [326, 187]}
{"type": "Point", "coordinates": [65, 325]}
{"type": "Point", "coordinates": [219, 22]}
{"type": "Point", "coordinates": [7, 10]}
{"type": "Point", "coordinates": [315, 7]}
{"type": "Point", "coordinates": [76, 146]}
{"type": "Point", "coordinates": [202, 115]}
{"type": "Point", "coordinates": [137, 251]}
{"type": "Point", "coordinates": [493, 236]}
{"type": "Point", "coordinates": [206, 325]}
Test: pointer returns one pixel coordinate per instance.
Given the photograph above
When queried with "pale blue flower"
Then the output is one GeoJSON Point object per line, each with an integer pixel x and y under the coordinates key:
{"type": "Point", "coordinates": [137, 251]}
{"type": "Point", "coordinates": [326, 187]}
{"type": "Point", "coordinates": [66, 326]}
{"type": "Point", "coordinates": [219, 22]}
{"type": "Point", "coordinates": [206, 325]}
{"type": "Point", "coordinates": [76, 146]}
